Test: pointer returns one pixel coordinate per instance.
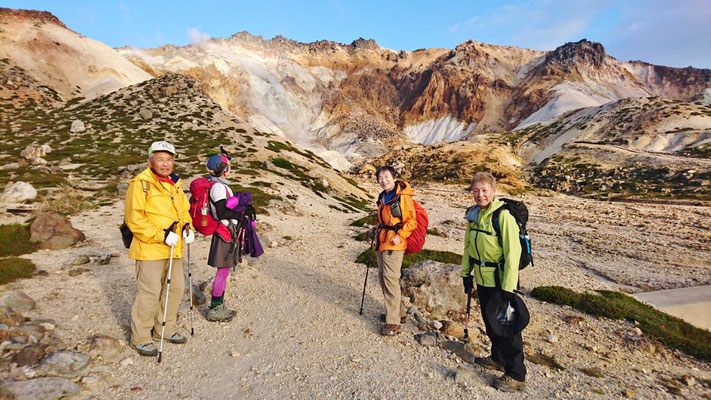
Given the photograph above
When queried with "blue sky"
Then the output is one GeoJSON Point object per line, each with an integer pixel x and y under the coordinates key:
{"type": "Point", "coordinates": [665, 32]}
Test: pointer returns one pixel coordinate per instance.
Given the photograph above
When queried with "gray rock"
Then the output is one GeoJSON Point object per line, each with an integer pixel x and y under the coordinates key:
{"type": "Point", "coordinates": [122, 189]}
{"type": "Point", "coordinates": [463, 351]}
{"type": "Point", "coordinates": [39, 389]}
{"type": "Point", "coordinates": [466, 375]}
{"type": "Point", "coordinates": [146, 113]}
{"type": "Point", "coordinates": [18, 301]}
{"type": "Point", "coordinates": [106, 347]}
{"type": "Point", "coordinates": [427, 339]}
{"type": "Point", "coordinates": [199, 297]}
{"type": "Point", "coordinates": [77, 127]}
{"type": "Point", "coordinates": [104, 259]}
{"type": "Point", "coordinates": [19, 192]}
{"type": "Point", "coordinates": [435, 287]}
{"type": "Point", "coordinates": [34, 153]}
{"type": "Point", "coordinates": [64, 363]}
{"type": "Point", "coordinates": [81, 259]}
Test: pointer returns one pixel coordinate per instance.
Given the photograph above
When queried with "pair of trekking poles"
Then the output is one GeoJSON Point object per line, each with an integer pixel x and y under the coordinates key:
{"type": "Point", "coordinates": [365, 284]}
{"type": "Point", "coordinates": [167, 293]}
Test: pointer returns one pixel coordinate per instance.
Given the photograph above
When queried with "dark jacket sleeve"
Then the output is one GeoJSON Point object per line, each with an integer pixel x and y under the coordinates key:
{"type": "Point", "coordinates": [225, 213]}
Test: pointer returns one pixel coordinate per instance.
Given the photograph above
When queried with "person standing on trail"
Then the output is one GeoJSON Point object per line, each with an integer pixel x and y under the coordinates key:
{"type": "Point", "coordinates": [157, 212]}
{"type": "Point", "coordinates": [222, 249]}
{"type": "Point", "coordinates": [396, 221]}
{"type": "Point", "coordinates": [494, 282]}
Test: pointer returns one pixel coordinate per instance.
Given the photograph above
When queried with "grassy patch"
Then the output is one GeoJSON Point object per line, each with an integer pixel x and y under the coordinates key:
{"type": "Point", "coordinates": [370, 219]}
{"type": "Point", "coordinates": [14, 268]}
{"type": "Point", "coordinates": [260, 198]}
{"type": "Point", "coordinates": [671, 331]}
{"type": "Point", "coordinates": [548, 361]}
{"type": "Point", "coordinates": [435, 232]}
{"type": "Point", "coordinates": [15, 240]}
{"type": "Point", "coordinates": [426, 254]}
{"type": "Point", "coordinates": [66, 201]}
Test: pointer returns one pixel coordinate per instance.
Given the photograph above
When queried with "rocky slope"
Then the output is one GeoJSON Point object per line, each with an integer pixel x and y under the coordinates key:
{"type": "Point", "coordinates": [69, 63]}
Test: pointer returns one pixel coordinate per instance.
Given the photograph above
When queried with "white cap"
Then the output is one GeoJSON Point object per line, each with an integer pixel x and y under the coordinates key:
{"type": "Point", "coordinates": [161, 146]}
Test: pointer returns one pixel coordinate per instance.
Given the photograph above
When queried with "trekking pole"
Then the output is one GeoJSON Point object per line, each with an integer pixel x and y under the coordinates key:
{"type": "Point", "coordinates": [367, 267]}
{"type": "Point", "coordinates": [190, 282]}
{"type": "Point", "coordinates": [167, 292]}
{"type": "Point", "coordinates": [466, 324]}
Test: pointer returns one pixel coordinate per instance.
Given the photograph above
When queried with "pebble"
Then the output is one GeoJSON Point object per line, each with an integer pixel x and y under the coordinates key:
{"type": "Point", "coordinates": [637, 331]}
{"type": "Point", "coordinates": [437, 325]}
{"type": "Point", "coordinates": [126, 362]}
{"type": "Point", "coordinates": [47, 326]}
{"type": "Point", "coordinates": [552, 339]}
{"type": "Point", "coordinates": [234, 354]}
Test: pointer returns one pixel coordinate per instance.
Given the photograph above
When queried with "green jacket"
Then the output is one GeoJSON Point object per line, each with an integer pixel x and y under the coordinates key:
{"type": "Point", "coordinates": [485, 247]}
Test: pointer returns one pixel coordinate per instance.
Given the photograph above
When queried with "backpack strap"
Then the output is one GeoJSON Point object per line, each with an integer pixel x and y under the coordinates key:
{"type": "Point", "coordinates": [146, 187]}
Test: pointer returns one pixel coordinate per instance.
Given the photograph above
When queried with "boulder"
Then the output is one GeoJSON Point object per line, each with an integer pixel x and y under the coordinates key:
{"type": "Point", "coordinates": [18, 192]}
{"type": "Point", "coordinates": [435, 287]}
{"type": "Point", "coordinates": [427, 339]}
{"type": "Point", "coordinates": [54, 231]}
{"type": "Point", "coordinates": [146, 113]}
{"type": "Point", "coordinates": [77, 127]}
{"type": "Point", "coordinates": [34, 153]}
{"type": "Point", "coordinates": [38, 388]}
{"type": "Point", "coordinates": [106, 347]}
{"type": "Point", "coordinates": [64, 363]}
{"type": "Point", "coordinates": [453, 329]}
{"type": "Point", "coordinates": [18, 301]}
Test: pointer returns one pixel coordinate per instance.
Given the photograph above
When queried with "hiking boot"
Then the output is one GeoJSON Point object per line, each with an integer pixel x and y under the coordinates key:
{"type": "Point", "coordinates": [147, 350]}
{"type": "Point", "coordinates": [175, 338]}
{"type": "Point", "coordinates": [488, 363]}
{"type": "Point", "coordinates": [390, 330]}
{"type": "Point", "coordinates": [403, 319]}
{"type": "Point", "coordinates": [221, 314]}
{"type": "Point", "coordinates": [506, 383]}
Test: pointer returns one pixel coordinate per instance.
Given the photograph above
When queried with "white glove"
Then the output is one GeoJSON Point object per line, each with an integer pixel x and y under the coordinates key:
{"type": "Point", "coordinates": [172, 239]}
{"type": "Point", "coordinates": [188, 236]}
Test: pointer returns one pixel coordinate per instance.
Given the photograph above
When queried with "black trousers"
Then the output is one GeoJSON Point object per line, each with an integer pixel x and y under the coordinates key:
{"type": "Point", "coordinates": [505, 351]}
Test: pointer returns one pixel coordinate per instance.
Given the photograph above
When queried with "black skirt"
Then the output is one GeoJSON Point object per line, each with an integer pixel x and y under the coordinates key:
{"type": "Point", "coordinates": [220, 256]}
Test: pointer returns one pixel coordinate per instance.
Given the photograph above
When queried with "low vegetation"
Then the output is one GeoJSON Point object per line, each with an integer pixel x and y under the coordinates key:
{"type": "Point", "coordinates": [15, 240]}
{"type": "Point", "coordinates": [670, 331]}
{"type": "Point", "coordinates": [14, 268]}
{"type": "Point", "coordinates": [435, 255]}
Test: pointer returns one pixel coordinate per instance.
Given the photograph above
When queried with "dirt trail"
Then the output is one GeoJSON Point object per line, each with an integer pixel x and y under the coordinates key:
{"type": "Point", "coordinates": [298, 334]}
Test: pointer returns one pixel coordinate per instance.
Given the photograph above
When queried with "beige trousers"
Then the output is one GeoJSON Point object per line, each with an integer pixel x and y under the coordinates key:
{"type": "Point", "coordinates": [147, 312]}
{"type": "Point", "coordinates": [389, 264]}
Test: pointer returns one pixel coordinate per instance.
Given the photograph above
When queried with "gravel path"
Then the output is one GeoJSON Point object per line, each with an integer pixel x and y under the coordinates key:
{"type": "Point", "coordinates": [298, 334]}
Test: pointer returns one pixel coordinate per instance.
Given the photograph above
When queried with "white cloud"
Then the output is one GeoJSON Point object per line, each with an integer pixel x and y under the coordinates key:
{"type": "Point", "coordinates": [196, 36]}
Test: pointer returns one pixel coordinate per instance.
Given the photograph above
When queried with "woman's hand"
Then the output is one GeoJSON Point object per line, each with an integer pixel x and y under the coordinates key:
{"type": "Point", "coordinates": [396, 240]}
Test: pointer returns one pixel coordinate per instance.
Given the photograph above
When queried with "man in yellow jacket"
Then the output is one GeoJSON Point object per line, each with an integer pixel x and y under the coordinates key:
{"type": "Point", "coordinates": [396, 221]}
{"type": "Point", "coordinates": [158, 213]}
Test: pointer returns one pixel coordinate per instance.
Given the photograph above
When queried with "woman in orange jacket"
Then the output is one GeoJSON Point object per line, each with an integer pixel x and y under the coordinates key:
{"type": "Point", "coordinates": [396, 221]}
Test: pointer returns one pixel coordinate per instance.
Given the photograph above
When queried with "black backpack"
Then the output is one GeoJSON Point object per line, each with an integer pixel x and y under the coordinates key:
{"type": "Point", "coordinates": [520, 213]}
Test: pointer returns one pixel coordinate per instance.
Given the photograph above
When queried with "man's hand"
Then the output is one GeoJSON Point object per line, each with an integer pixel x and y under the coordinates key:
{"type": "Point", "coordinates": [507, 296]}
{"type": "Point", "coordinates": [172, 239]}
{"type": "Point", "coordinates": [396, 240]}
{"type": "Point", "coordinates": [188, 236]}
{"type": "Point", "coordinates": [468, 284]}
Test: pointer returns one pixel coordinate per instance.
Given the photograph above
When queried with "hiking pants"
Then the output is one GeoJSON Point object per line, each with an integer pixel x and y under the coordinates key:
{"type": "Point", "coordinates": [147, 312]}
{"type": "Point", "coordinates": [505, 351]}
{"type": "Point", "coordinates": [389, 264]}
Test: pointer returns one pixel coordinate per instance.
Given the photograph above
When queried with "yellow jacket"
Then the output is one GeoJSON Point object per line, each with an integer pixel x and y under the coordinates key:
{"type": "Point", "coordinates": [386, 217]}
{"type": "Point", "coordinates": [149, 214]}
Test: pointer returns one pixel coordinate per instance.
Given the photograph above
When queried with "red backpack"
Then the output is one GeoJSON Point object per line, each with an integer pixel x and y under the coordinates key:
{"type": "Point", "coordinates": [200, 206]}
{"type": "Point", "coordinates": [417, 238]}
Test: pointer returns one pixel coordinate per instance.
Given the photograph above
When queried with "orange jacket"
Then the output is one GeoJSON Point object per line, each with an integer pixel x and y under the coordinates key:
{"type": "Point", "coordinates": [404, 192]}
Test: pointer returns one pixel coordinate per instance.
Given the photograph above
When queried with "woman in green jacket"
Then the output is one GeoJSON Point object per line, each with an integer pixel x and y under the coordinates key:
{"type": "Point", "coordinates": [495, 268]}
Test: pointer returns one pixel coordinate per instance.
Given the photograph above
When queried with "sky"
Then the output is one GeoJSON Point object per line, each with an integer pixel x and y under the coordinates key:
{"type": "Point", "coordinates": [664, 32]}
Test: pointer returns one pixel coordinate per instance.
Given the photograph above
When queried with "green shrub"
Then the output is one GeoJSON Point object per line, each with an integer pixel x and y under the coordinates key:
{"type": "Point", "coordinates": [15, 240]}
{"type": "Point", "coordinates": [670, 331]}
{"type": "Point", "coordinates": [426, 254]}
{"type": "Point", "coordinates": [436, 232]}
{"type": "Point", "coordinates": [370, 219]}
{"type": "Point", "coordinates": [14, 268]}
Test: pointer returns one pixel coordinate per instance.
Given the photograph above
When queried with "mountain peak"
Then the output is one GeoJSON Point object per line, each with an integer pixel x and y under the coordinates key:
{"type": "Point", "coordinates": [367, 44]}
{"type": "Point", "coordinates": [580, 52]}
{"type": "Point", "coordinates": [41, 16]}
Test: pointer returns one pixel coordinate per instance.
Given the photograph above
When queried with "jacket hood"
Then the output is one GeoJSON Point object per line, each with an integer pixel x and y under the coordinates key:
{"type": "Point", "coordinates": [402, 188]}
